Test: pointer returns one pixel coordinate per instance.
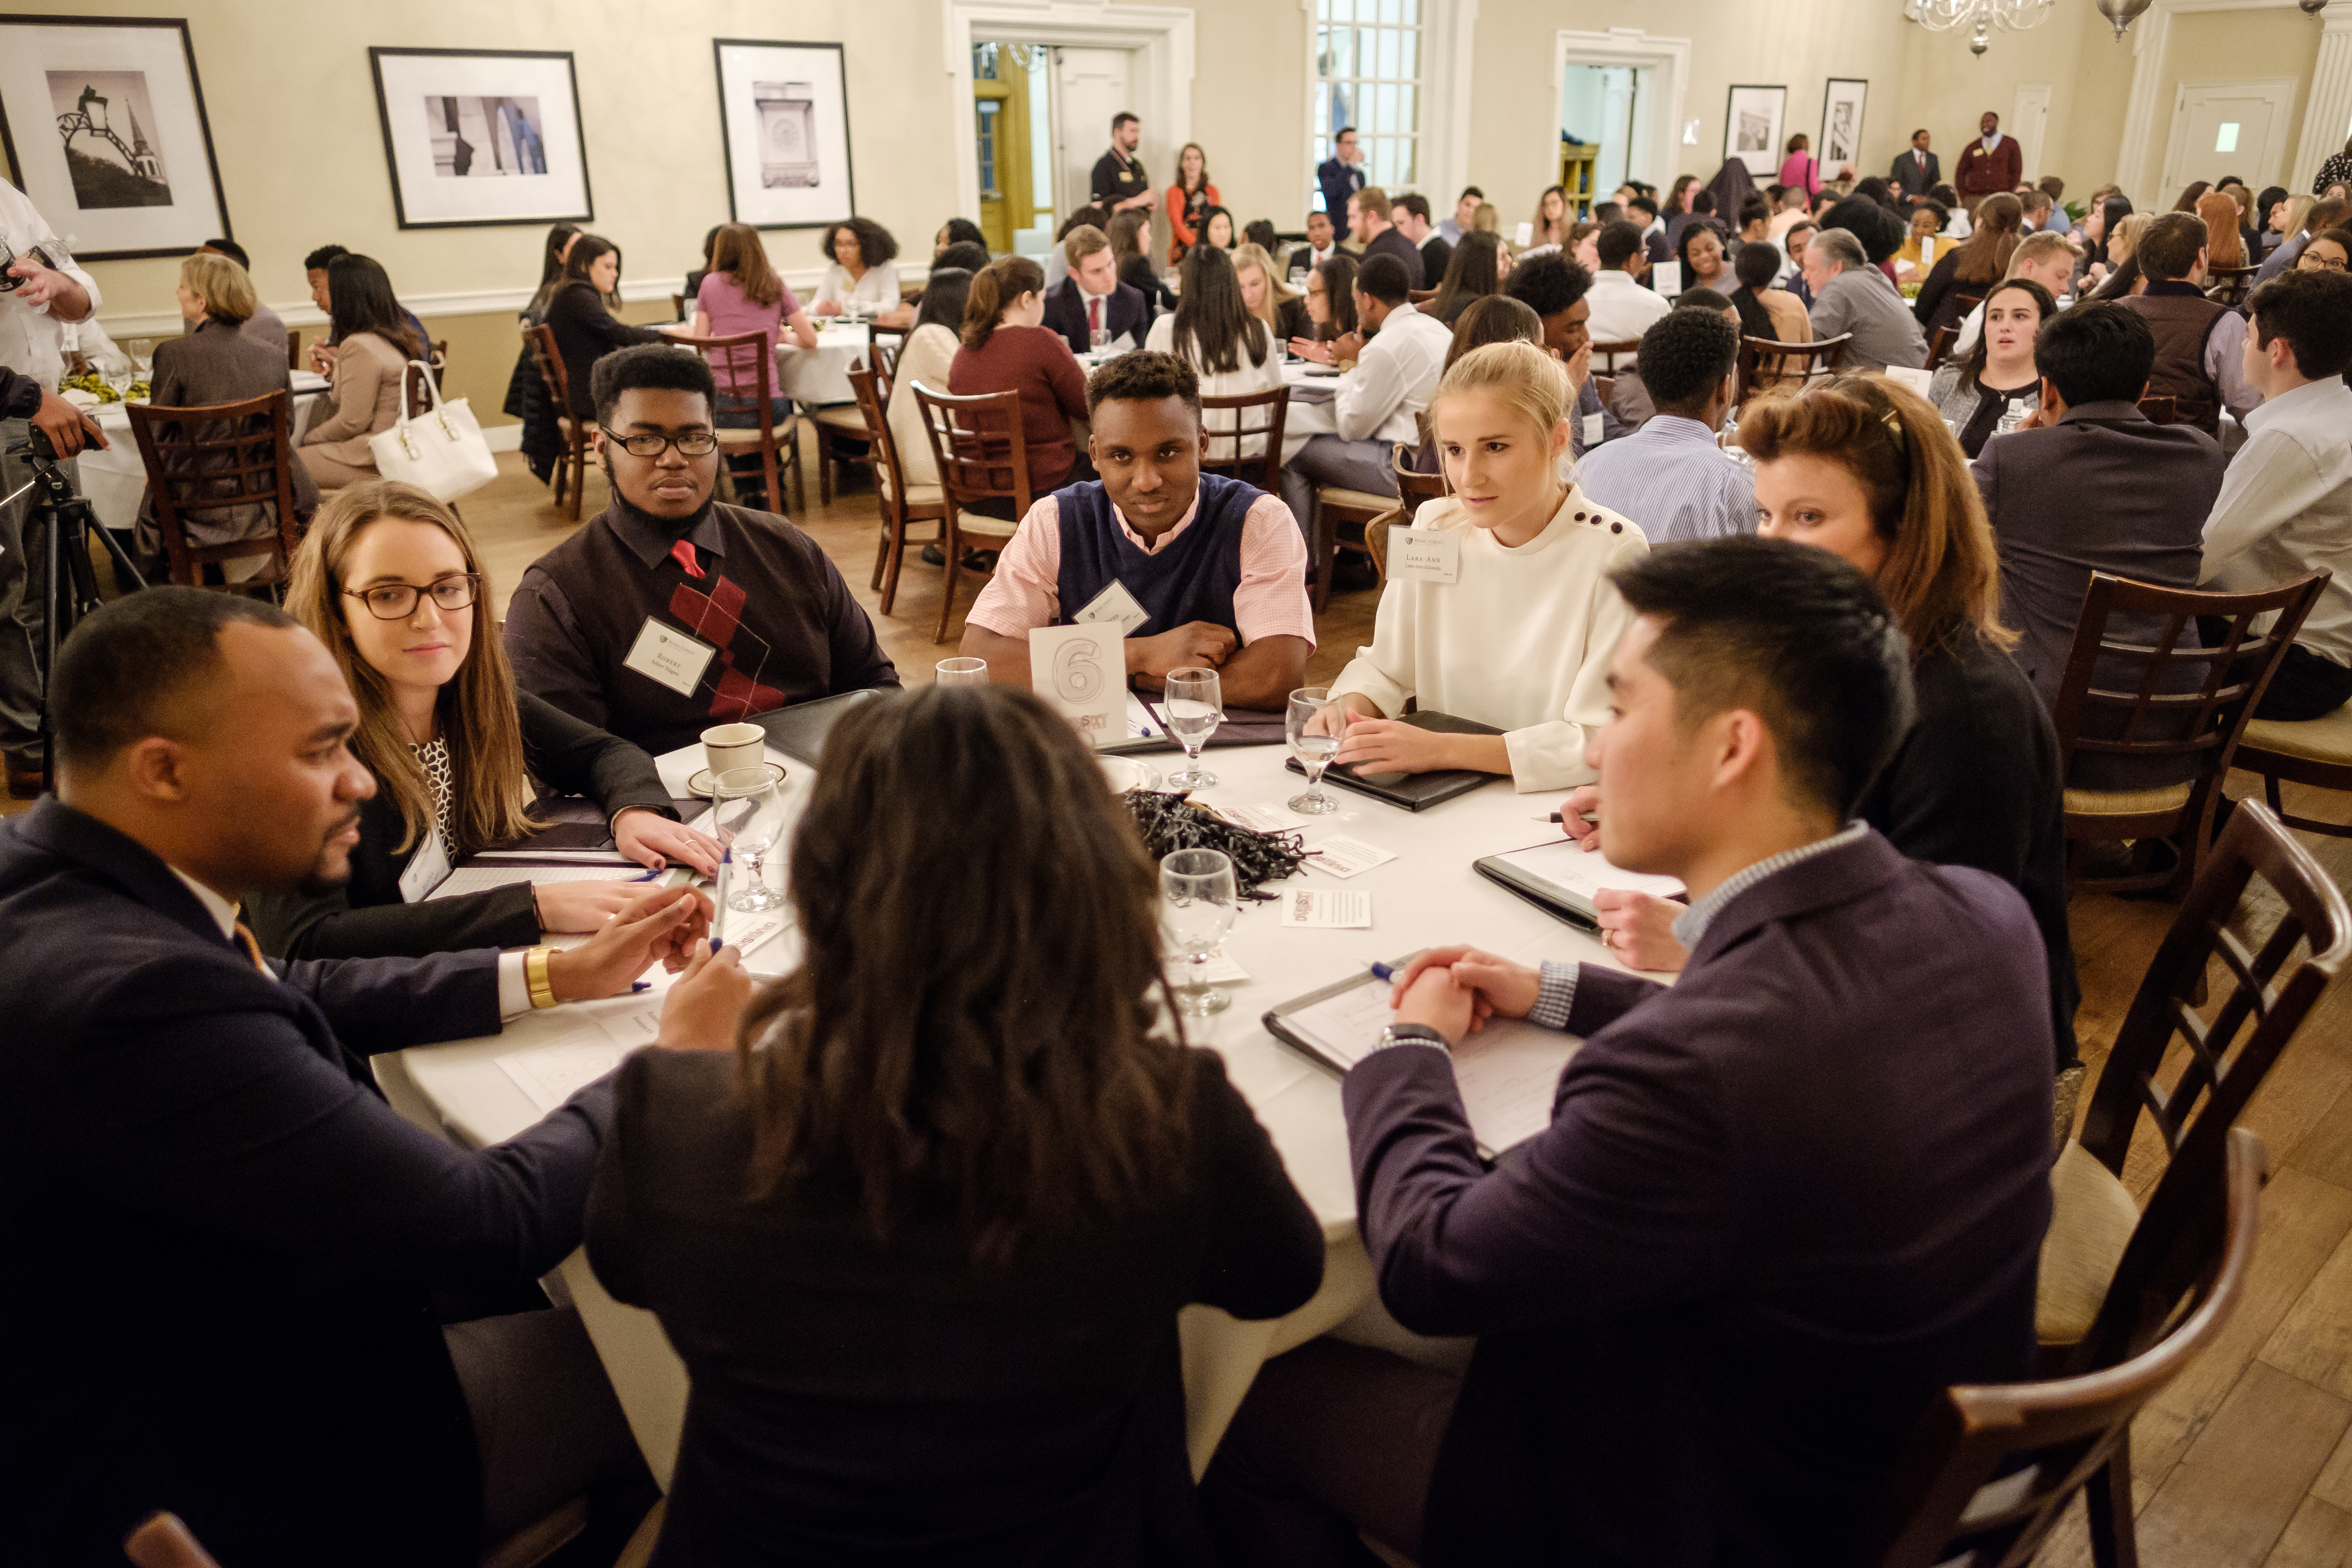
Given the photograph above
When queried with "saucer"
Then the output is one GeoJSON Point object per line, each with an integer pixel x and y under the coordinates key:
{"type": "Point", "coordinates": [1125, 773]}
{"type": "Point", "coordinates": [699, 785]}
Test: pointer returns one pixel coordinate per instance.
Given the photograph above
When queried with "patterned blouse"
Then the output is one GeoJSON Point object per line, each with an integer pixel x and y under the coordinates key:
{"type": "Point", "coordinates": [432, 756]}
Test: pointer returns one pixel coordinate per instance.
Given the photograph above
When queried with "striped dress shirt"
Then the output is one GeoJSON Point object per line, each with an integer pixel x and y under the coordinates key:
{"type": "Point", "coordinates": [1672, 480]}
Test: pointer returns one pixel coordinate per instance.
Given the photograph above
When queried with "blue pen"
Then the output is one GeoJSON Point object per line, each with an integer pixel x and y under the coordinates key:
{"type": "Point", "coordinates": [641, 986]}
{"type": "Point", "coordinates": [648, 876]}
{"type": "Point", "coordinates": [718, 918]}
{"type": "Point", "coordinates": [1381, 971]}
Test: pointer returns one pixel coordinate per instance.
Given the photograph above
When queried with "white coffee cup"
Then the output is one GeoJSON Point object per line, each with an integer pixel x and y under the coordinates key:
{"type": "Point", "coordinates": [725, 746]}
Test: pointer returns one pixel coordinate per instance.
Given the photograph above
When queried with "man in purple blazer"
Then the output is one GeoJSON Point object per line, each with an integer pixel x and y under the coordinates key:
{"type": "Point", "coordinates": [1779, 1206]}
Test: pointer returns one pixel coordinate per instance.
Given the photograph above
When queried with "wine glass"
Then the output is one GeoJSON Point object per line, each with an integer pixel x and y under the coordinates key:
{"type": "Point", "coordinates": [1193, 706]}
{"type": "Point", "coordinates": [961, 672]}
{"type": "Point", "coordinates": [1099, 337]}
{"type": "Point", "coordinates": [748, 817]}
{"type": "Point", "coordinates": [116, 371]}
{"type": "Point", "coordinates": [1313, 749]}
{"type": "Point", "coordinates": [1197, 900]}
{"type": "Point", "coordinates": [142, 355]}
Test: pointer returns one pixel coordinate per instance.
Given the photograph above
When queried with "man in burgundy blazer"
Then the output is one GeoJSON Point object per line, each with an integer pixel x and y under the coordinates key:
{"type": "Point", "coordinates": [1779, 1206]}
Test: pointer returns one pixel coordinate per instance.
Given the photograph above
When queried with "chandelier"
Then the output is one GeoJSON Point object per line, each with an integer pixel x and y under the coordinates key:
{"type": "Point", "coordinates": [1981, 15]}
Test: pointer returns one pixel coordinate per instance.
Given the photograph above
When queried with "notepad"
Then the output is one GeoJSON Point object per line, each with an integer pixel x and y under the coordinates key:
{"type": "Point", "coordinates": [551, 1073]}
{"type": "Point", "coordinates": [1561, 877]}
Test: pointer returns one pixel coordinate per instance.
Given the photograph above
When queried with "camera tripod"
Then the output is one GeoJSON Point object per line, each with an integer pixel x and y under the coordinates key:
{"type": "Point", "coordinates": [70, 591]}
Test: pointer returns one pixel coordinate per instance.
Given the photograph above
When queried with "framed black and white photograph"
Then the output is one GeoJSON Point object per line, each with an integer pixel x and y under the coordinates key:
{"type": "Point", "coordinates": [783, 117]}
{"type": "Point", "coordinates": [103, 124]}
{"type": "Point", "coordinates": [1841, 106]}
{"type": "Point", "coordinates": [1752, 125]}
{"type": "Point", "coordinates": [481, 136]}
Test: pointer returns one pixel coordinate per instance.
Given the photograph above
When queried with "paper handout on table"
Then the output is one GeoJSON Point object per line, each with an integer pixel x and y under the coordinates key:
{"type": "Point", "coordinates": [1324, 907]}
{"type": "Point", "coordinates": [1260, 818]}
{"type": "Point", "coordinates": [1343, 857]}
{"type": "Point", "coordinates": [1563, 877]}
{"type": "Point", "coordinates": [552, 1073]}
{"type": "Point", "coordinates": [483, 879]}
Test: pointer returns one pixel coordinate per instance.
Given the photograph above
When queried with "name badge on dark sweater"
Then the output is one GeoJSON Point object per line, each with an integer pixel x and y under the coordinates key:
{"type": "Point", "coordinates": [1115, 604]}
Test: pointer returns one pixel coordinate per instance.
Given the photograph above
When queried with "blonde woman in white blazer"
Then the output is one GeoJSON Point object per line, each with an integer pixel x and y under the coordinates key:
{"type": "Point", "coordinates": [1521, 639]}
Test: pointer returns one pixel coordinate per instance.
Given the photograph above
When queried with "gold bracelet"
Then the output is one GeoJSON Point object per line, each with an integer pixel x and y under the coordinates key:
{"type": "Point", "coordinates": [534, 974]}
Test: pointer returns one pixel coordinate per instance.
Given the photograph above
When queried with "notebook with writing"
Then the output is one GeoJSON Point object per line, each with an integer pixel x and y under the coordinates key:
{"type": "Point", "coordinates": [1416, 792]}
{"type": "Point", "coordinates": [1560, 877]}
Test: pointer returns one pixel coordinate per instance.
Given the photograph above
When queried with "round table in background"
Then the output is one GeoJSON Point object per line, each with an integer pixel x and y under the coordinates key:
{"type": "Point", "coordinates": [114, 480]}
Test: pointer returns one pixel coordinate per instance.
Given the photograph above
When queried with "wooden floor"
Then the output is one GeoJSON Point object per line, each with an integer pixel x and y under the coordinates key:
{"type": "Point", "coordinates": [2247, 1460]}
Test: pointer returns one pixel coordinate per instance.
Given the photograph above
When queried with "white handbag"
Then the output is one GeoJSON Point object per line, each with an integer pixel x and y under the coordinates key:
{"type": "Point", "coordinates": [443, 452]}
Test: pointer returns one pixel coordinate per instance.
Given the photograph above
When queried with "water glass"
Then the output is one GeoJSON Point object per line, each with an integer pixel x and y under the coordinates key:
{"type": "Point", "coordinates": [1193, 706]}
{"type": "Point", "coordinates": [1197, 897]}
{"type": "Point", "coordinates": [142, 355]}
{"type": "Point", "coordinates": [1099, 337]}
{"type": "Point", "coordinates": [748, 817]}
{"type": "Point", "coordinates": [961, 672]}
{"type": "Point", "coordinates": [1312, 747]}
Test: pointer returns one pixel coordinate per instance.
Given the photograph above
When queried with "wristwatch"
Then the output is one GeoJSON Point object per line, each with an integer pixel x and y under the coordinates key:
{"type": "Point", "coordinates": [1411, 1035]}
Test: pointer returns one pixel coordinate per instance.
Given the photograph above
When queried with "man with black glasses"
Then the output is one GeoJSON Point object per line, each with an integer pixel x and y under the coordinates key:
{"type": "Point", "coordinates": [671, 611]}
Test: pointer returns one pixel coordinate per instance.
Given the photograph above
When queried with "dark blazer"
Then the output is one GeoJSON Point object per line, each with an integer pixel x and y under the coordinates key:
{"type": "Point", "coordinates": [366, 917]}
{"type": "Point", "coordinates": [213, 364]}
{"type": "Point", "coordinates": [862, 1401]}
{"type": "Point", "coordinates": [1390, 241]}
{"type": "Point", "coordinates": [1124, 311]}
{"type": "Point", "coordinates": [585, 331]}
{"type": "Point", "coordinates": [1906, 179]}
{"type": "Point", "coordinates": [1435, 256]}
{"type": "Point", "coordinates": [1715, 1295]}
{"type": "Point", "coordinates": [221, 1240]}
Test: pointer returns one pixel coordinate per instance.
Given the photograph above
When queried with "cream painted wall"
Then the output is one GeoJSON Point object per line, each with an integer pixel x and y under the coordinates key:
{"type": "Point", "coordinates": [1946, 88]}
{"type": "Point", "coordinates": [2233, 46]}
{"type": "Point", "coordinates": [1249, 108]}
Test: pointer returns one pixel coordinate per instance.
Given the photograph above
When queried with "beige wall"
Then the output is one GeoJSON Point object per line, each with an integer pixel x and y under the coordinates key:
{"type": "Point", "coordinates": [1249, 106]}
{"type": "Point", "coordinates": [1947, 89]}
{"type": "Point", "coordinates": [2233, 46]}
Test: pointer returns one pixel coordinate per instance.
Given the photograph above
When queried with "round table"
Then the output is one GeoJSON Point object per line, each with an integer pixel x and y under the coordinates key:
{"type": "Point", "coordinates": [114, 481]}
{"type": "Point", "coordinates": [1428, 894]}
{"type": "Point", "coordinates": [817, 375]}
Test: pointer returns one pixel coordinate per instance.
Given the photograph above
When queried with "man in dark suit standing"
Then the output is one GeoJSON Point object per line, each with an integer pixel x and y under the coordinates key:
{"type": "Point", "coordinates": [233, 1260]}
{"type": "Point", "coordinates": [1715, 1295]}
{"type": "Point", "coordinates": [1090, 297]}
{"type": "Point", "coordinates": [1341, 175]}
{"type": "Point", "coordinates": [1991, 164]}
{"type": "Point", "coordinates": [1917, 171]}
{"type": "Point", "coordinates": [1118, 181]}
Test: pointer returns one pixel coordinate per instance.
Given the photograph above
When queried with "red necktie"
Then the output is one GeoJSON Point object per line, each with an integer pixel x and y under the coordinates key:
{"type": "Point", "coordinates": [1094, 314]}
{"type": "Point", "coordinates": [683, 554]}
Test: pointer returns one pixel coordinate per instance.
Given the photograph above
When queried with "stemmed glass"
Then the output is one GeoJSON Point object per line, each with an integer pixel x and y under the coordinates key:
{"type": "Point", "coordinates": [1193, 705]}
{"type": "Point", "coordinates": [115, 368]}
{"type": "Point", "coordinates": [1313, 748]}
{"type": "Point", "coordinates": [142, 356]}
{"type": "Point", "coordinates": [747, 816]}
{"type": "Point", "coordinates": [961, 672]}
{"type": "Point", "coordinates": [1197, 900]}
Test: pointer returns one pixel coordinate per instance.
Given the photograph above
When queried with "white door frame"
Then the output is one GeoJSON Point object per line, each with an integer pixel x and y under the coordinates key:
{"type": "Point", "coordinates": [2324, 119]}
{"type": "Point", "coordinates": [2036, 157]}
{"type": "Point", "coordinates": [2266, 161]}
{"type": "Point", "coordinates": [1160, 38]}
{"type": "Point", "coordinates": [1628, 47]}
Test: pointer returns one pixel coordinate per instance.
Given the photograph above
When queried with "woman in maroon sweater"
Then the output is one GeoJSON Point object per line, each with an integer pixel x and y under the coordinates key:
{"type": "Point", "coordinates": [1005, 349]}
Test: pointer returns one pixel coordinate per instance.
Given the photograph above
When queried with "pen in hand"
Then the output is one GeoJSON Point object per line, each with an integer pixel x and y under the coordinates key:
{"type": "Point", "coordinates": [719, 911]}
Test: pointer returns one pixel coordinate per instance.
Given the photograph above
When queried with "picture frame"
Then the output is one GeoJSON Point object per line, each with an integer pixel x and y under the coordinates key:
{"type": "Point", "coordinates": [1755, 121]}
{"type": "Point", "coordinates": [103, 125]}
{"type": "Point", "coordinates": [1842, 101]}
{"type": "Point", "coordinates": [474, 138]}
{"type": "Point", "coordinates": [783, 120]}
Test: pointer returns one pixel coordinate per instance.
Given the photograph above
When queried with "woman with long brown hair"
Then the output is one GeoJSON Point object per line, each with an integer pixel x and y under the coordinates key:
{"type": "Point", "coordinates": [389, 579]}
{"type": "Point", "coordinates": [1474, 271]}
{"type": "Point", "coordinates": [2224, 244]}
{"type": "Point", "coordinates": [1007, 348]}
{"type": "Point", "coordinates": [1864, 468]}
{"type": "Point", "coordinates": [1189, 201]}
{"type": "Point", "coordinates": [1973, 266]}
{"type": "Point", "coordinates": [742, 294]}
{"type": "Point", "coordinates": [1551, 218]}
{"type": "Point", "coordinates": [922, 1243]}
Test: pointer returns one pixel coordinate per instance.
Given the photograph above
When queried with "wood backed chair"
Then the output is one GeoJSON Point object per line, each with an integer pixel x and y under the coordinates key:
{"type": "Point", "coordinates": [2161, 408]}
{"type": "Point", "coordinates": [902, 503]}
{"type": "Point", "coordinates": [1605, 355]}
{"type": "Point", "coordinates": [2229, 285]}
{"type": "Point", "coordinates": [2306, 751]}
{"type": "Point", "coordinates": [1606, 385]}
{"type": "Point", "coordinates": [843, 438]}
{"type": "Point", "coordinates": [221, 458]}
{"type": "Point", "coordinates": [1799, 362]}
{"type": "Point", "coordinates": [876, 335]}
{"type": "Point", "coordinates": [983, 456]}
{"type": "Point", "coordinates": [1990, 1471]}
{"type": "Point", "coordinates": [1414, 490]}
{"type": "Point", "coordinates": [883, 357]}
{"type": "Point", "coordinates": [293, 361]}
{"type": "Point", "coordinates": [1260, 414]}
{"type": "Point", "coordinates": [748, 360]}
{"type": "Point", "coordinates": [1335, 505]}
{"type": "Point", "coordinates": [571, 474]}
{"type": "Point", "coordinates": [1940, 342]}
{"type": "Point", "coordinates": [413, 387]}
{"type": "Point", "coordinates": [677, 308]}
{"type": "Point", "coordinates": [2165, 707]}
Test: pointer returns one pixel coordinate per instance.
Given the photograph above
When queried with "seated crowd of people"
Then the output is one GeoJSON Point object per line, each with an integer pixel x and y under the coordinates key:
{"type": "Point", "coordinates": [917, 1217]}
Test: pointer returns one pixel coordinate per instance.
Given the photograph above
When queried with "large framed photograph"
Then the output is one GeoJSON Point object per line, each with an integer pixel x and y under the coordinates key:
{"type": "Point", "coordinates": [1752, 123]}
{"type": "Point", "coordinates": [103, 122]}
{"type": "Point", "coordinates": [783, 118]}
{"type": "Point", "coordinates": [481, 136]}
{"type": "Point", "coordinates": [1841, 106]}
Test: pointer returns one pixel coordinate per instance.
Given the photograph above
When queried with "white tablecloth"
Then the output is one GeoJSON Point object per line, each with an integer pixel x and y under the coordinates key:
{"type": "Point", "coordinates": [114, 480]}
{"type": "Point", "coordinates": [815, 376]}
{"type": "Point", "coordinates": [1428, 894]}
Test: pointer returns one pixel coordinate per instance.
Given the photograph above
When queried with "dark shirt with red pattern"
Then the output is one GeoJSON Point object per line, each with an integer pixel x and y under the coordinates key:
{"type": "Point", "coordinates": [785, 627]}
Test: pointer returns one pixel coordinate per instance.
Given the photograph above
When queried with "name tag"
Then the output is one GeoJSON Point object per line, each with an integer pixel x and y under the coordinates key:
{"type": "Point", "coordinates": [1425, 555]}
{"type": "Point", "coordinates": [427, 869]}
{"type": "Point", "coordinates": [1592, 428]}
{"type": "Point", "coordinates": [1114, 604]}
{"type": "Point", "coordinates": [670, 656]}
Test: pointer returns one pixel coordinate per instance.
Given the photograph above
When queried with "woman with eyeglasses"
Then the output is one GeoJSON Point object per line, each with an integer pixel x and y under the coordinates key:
{"type": "Point", "coordinates": [388, 578]}
{"type": "Point", "coordinates": [2327, 252]}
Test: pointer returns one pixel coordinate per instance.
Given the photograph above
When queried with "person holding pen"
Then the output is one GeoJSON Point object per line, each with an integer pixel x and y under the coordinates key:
{"type": "Point", "coordinates": [389, 579]}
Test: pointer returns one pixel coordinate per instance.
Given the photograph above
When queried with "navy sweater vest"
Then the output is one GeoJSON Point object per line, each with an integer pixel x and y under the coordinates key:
{"type": "Point", "coordinates": [1192, 579]}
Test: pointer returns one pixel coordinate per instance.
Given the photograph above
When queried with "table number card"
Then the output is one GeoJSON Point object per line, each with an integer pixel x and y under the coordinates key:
{"type": "Point", "coordinates": [1425, 555]}
{"type": "Point", "coordinates": [1082, 671]}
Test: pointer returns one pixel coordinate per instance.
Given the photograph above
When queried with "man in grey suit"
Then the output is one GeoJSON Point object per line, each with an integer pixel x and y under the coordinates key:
{"type": "Point", "coordinates": [1917, 172]}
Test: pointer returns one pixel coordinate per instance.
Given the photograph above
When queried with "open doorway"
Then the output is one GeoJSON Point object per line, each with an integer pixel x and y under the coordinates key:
{"type": "Point", "coordinates": [1621, 92]}
{"type": "Point", "coordinates": [1601, 108]}
{"type": "Point", "coordinates": [1013, 142]}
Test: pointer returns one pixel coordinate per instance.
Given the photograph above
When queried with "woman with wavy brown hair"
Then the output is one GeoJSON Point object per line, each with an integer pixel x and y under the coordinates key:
{"type": "Point", "coordinates": [389, 579]}
{"type": "Point", "coordinates": [1973, 266]}
{"type": "Point", "coordinates": [922, 1243]}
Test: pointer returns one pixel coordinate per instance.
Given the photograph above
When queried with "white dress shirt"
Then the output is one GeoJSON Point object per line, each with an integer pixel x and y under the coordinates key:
{"type": "Point", "coordinates": [2285, 509]}
{"type": "Point", "coordinates": [30, 337]}
{"type": "Point", "coordinates": [877, 290]}
{"type": "Point", "coordinates": [1622, 308]}
{"type": "Point", "coordinates": [1672, 481]}
{"type": "Point", "coordinates": [1394, 380]}
{"type": "Point", "coordinates": [1264, 376]}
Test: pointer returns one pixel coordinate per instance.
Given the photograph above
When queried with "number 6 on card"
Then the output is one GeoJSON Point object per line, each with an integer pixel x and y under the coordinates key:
{"type": "Point", "coordinates": [1080, 670]}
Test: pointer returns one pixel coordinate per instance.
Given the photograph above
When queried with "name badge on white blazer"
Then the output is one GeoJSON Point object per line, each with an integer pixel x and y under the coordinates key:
{"type": "Point", "coordinates": [675, 658]}
{"type": "Point", "coordinates": [1114, 604]}
{"type": "Point", "coordinates": [1425, 555]}
{"type": "Point", "coordinates": [427, 869]}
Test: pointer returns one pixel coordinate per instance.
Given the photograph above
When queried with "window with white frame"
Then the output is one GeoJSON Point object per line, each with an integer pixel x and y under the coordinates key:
{"type": "Point", "coordinates": [1369, 57]}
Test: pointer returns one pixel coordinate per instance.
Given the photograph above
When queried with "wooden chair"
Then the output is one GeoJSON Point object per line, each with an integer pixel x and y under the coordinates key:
{"type": "Point", "coordinates": [2158, 699]}
{"type": "Point", "coordinates": [572, 463]}
{"type": "Point", "coordinates": [677, 308]}
{"type": "Point", "coordinates": [222, 457]}
{"type": "Point", "coordinates": [293, 351]}
{"type": "Point", "coordinates": [1801, 361]}
{"type": "Point", "coordinates": [2229, 285]}
{"type": "Point", "coordinates": [1414, 490]}
{"type": "Point", "coordinates": [837, 425]}
{"type": "Point", "coordinates": [2161, 408]}
{"type": "Point", "coordinates": [1254, 414]}
{"type": "Point", "coordinates": [1605, 355]}
{"type": "Point", "coordinates": [1333, 506]}
{"type": "Point", "coordinates": [419, 396]}
{"type": "Point", "coordinates": [749, 358]}
{"type": "Point", "coordinates": [2307, 750]}
{"type": "Point", "coordinates": [877, 333]}
{"type": "Point", "coordinates": [982, 454]}
{"type": "Point", "coordinates": [902, 503]}
{"type": "Point", "coordinates": [884, 359]}
{"type": "Point", "coordinates": [1990, 1471]}
{"type": "Point", "coordinates": [1940, 342]}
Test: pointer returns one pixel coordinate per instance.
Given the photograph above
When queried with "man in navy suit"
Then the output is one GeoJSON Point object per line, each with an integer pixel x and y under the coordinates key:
{"type": "Point", "coordinates": [1916, 171]}
{"type": "Point", "coordinates": [1093, 296]}
{"type": "Point", "coordinates": [230, 1259]}
{"type": "Point", "coordinates": [1779, 1206]}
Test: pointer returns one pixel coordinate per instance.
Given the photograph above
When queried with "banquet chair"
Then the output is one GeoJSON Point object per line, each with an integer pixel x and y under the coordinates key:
{"type": "Point", "coordinates": [1799, 362]}
{"type": "Point", "coordinates": [2161, 408]}
{"type": "Point", "coordinates": [1335, 504]}
{"type": "Point", "coordinates": [837, 427]}
{"type": "Point", "coordinates": [885, 358]}
{"type": "Point", "coordinates": [2305, 750]}
{"type": "Point", "coordinates": [983, 456]}
{"type": "Point", "coordinates": [1939, 343]}
{"type": "Point", "coordinates": [420, 396]}
{"type": "Point", "coordinates": [744, 359]}
{"type": "Point", "coordinates": [571, 464]}
{"type": "Point", "coordinates": [1415, 489]}
{"type": "Point", "coordinates": [902, 503]}
{"type": "Point", "coordinates": [1990, 1470]}
{"type": "Point", "coordinates": [1606, 356]}
{"type": "Point", "coordinates": [293, 348]}
{"type": "Point", "coordinates": [2229, 285]}
{"type": "Point", "coordinates": [2162, 707]}
{"type": "Point", "coordinates": [235, 459]}
{"type": "Point", "coordinates": [1254, 414]}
